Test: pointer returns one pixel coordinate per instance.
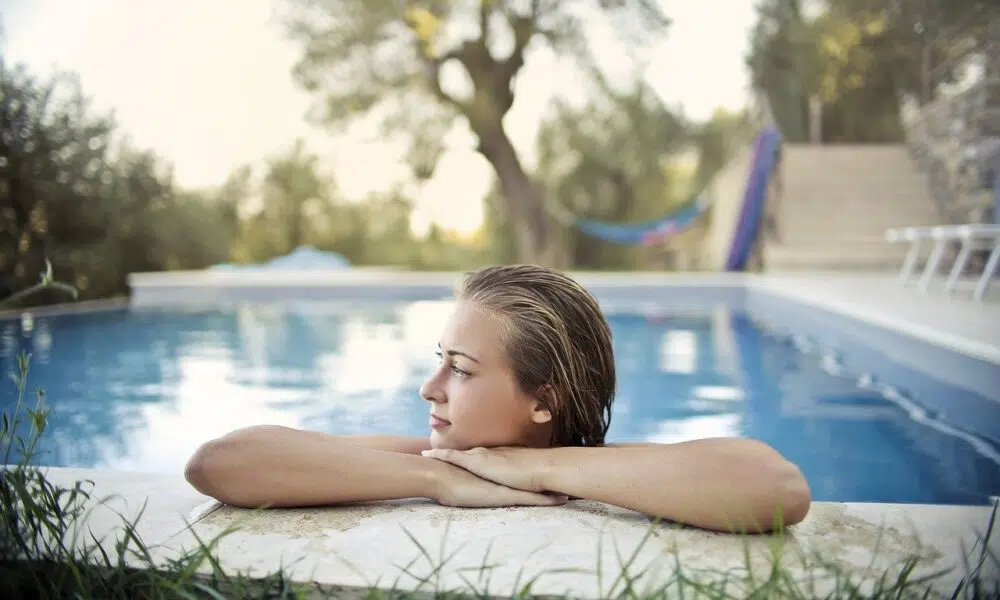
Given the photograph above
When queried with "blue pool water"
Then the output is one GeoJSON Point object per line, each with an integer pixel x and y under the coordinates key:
{"type": "Point", "coordinates": [140, 389]}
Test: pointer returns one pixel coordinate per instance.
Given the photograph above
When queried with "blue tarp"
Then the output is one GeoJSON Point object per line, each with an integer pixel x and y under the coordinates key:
{"type": "Point", "coordinates": [302, 258]}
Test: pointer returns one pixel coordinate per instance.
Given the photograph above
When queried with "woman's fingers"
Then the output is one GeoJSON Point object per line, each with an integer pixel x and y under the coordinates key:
{"type": "Point", "coordinates": [535, 499]}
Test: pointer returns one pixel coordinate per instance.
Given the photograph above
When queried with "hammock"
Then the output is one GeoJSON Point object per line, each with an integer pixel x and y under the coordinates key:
{"type": "Point", "coordinates": [646, 233]}
{"type": "Point", "coordinates": [653, 232]}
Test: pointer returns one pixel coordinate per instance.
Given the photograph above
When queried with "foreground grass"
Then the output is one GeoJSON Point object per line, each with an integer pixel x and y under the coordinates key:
{"type": "Point", "coordinates": [44, 553]}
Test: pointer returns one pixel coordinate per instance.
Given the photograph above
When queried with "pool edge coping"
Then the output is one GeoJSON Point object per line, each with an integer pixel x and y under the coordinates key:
{"type": "Point", "coordinates": [931, 335]}
{"type": "Point", "coordinates": [178, 509]}
{"type": "Point", "coordinates": [595, 280]}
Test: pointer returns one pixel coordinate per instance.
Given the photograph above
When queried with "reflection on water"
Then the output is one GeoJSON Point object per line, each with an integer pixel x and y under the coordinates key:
{"type": "Point", "coordinates": [142, 389]}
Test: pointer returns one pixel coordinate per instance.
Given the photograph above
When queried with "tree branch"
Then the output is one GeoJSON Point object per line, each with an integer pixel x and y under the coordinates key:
{"type": "Point", "coordinates": [524, 28]}
{"type": "Point", "coordinates": [485, 11]}
{"type": "Point", "coordinates": [422, 23]}
{"type": "Point", "coordinates": [432, 71]}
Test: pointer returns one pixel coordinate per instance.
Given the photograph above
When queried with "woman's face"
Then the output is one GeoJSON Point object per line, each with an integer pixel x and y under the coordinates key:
{"type": "Point", "coordinates": [474, 397]}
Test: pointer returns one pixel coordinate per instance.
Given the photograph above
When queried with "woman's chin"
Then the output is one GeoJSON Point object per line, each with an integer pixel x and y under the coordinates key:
{"type": "Point", "coordinates": [441, 440]}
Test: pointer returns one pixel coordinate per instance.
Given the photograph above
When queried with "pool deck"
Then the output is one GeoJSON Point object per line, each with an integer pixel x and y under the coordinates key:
{"type": "Point", "coordinates": [564, 547]}
{"type": "Point", "coordinates": [954, 322]}
{"type": "Point", "coordinates": [417, 545]}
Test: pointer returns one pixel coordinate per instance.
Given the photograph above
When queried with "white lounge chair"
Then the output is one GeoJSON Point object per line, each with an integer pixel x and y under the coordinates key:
{"type": "Point", "coordinates": [913, 235]}
{"type": "Point", "coordinates": [970, 236]}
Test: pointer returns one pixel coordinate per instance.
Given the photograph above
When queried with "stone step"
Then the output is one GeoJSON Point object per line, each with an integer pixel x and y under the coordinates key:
{"type": "Point", "coordinates": [847, 153]}
{"type": "Point", "coordinates": [856, 212]}
{"type": "Point", "coordinates": [813, 235]}
{"type": "Point", "coordinates": [830, 257]}
{"type": "Point", "coordinates": [825, 164]}
{"type": "Point", "coordinates": [824, 167]}
{"type": "Point", "coordinates": [838, 201]}
{"type": "Point", "coordinates": [872, 224]}
{"type": "Point", "coordinates": [857, 241]}
{"type": "Point", "coordinates": [847, 182]}
{"type": "Point", "coordinates": [846, 188]}
{"type": "Point", "coordinates": [856, 206]}
{"type": "Point", "coordinates": [872, 171]}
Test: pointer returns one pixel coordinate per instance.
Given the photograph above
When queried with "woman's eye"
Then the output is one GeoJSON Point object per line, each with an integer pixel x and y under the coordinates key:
{"type": "Point", "coordinates": [454, 368]}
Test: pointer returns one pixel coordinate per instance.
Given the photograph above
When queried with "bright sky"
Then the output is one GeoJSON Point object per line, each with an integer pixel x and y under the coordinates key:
{"type": "Point", "coordinates": [207, 85]}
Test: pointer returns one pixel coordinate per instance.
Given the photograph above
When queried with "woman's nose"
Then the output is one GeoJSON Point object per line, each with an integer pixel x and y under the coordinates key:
{"type": "Point", "coordinates": [431, 390]}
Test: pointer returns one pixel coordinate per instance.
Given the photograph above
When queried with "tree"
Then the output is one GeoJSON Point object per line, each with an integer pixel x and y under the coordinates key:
{"type": "Point", "coordinates": [717, 140]}
{"type": "Point", "coordinates": [860, 58]}
{"type": "Point", "coordinates": [917, 44]}
{"type": "Point", "coordinates": [603, 160]}
{"type": "Point", "coordinates": [386, 58]}
{"type": "Point", "coordinates": [783, 61]}
{"type": "Point", "coordinates": [53, 166]}
{"type": "Point", "coordinates": [74, 193]}
{"type": "Point", "coordinates": [292, 182]}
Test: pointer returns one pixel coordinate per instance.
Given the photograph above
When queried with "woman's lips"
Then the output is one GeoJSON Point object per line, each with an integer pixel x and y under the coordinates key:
{"type": "Point", "coordinates": [437, 422]}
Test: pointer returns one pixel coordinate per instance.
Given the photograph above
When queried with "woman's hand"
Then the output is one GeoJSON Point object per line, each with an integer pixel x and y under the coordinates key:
{"type": "Point", "coordinates": [461, 488]}
{"type": "Point", "coordinates": [517, 468]}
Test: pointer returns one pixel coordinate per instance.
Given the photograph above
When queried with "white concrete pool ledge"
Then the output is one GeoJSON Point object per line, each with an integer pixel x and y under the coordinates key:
{"type": "Point", "coordinates": [953, 322]}
{"type": "Point", "coordinates": [499, 550]}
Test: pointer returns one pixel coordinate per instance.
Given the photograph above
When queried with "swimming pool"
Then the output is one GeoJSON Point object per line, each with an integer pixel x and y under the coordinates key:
{"type": "Point", "coordinates": [140, 388]}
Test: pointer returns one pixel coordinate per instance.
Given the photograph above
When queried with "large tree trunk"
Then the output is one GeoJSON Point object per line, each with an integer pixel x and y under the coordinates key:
{"type": "Point", "coordinates": [535, 236]}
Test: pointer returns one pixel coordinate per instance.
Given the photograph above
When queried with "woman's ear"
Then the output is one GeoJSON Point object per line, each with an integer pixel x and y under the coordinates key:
{"type": "Point", "coordinates": [545, 397]}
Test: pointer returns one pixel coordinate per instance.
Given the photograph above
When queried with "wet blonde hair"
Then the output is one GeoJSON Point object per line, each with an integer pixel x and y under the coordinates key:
{"type": "Point", "coordinates": [557, 343]}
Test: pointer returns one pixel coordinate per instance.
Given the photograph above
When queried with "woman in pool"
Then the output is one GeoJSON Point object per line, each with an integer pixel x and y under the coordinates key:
{"type": "Point", "coordinates": [519, 407]}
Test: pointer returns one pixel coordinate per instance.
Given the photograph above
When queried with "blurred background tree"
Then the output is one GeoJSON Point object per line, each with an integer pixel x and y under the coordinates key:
{"type": "Point", "coordinates": [389, 59]}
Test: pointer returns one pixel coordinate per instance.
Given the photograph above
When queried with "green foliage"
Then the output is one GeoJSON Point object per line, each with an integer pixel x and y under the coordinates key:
{"type": "Point", "coordinates": [70, 192]}
{"type": "Point", "coordinates": [717, 140]}
{"type": "Point", "coordinates": [860, 58]}
{"type": "Point", "coordinates": [299, 205]}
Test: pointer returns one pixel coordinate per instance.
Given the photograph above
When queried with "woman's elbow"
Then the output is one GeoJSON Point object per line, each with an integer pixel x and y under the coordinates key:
{"type": "Point", "coordinates": [199, 468]}
{"type": "Point", "coordinates": [209, 471]}
{"type": "Point", "coordinates": [791, 490]}
{"type": "Point", "coordinates": [795, 497]}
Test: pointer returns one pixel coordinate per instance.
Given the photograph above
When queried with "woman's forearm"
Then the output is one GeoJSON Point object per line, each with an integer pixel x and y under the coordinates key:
{"type": "Point", "coordinates": [281, 467]}
{"type": "Point", "coordinates": [721, 484]}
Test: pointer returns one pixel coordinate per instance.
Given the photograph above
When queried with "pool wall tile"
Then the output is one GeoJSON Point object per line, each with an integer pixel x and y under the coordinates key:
{"type": "Point", "coordinates": [962, 390]}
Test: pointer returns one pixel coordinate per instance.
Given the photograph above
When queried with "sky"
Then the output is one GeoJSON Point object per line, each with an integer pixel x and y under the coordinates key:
{"type": "Point", "coordinates": [207, 84]}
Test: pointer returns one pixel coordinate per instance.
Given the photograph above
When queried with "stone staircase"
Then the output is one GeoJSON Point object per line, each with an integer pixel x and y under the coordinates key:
{"type": "Point", "coordinates": [836, 203]}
